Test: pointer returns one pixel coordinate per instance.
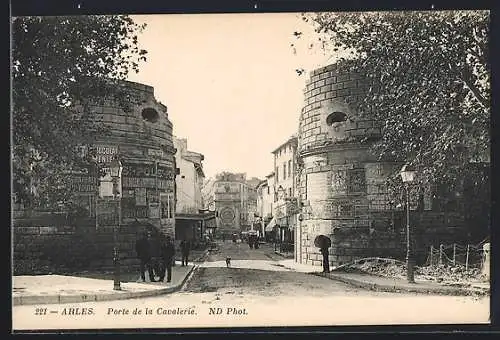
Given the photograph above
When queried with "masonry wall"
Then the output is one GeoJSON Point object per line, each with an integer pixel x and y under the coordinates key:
{"type": "Point", "coordinates": [142, 137]}
{"type": "Point", "coordinates": [342, 186]}
{"type": "Point", "coordinates": [64, 249]}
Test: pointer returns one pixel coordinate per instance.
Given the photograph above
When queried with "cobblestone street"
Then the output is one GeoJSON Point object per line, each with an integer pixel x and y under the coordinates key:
{"type": "Point", "coordinates": [258, 291]}
{"type": "Point", "coordinates": [257, 271]}
{"type": "Point", "coordinates": [241, 251]}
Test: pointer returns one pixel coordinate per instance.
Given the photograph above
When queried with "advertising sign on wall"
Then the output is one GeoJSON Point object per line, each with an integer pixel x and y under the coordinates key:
{"type": "Point", "coordinates": [140, 197]}
{"type": "Point", "coordinates": [154, 210]}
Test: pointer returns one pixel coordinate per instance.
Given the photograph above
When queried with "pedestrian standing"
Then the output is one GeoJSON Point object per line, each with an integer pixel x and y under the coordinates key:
{"type": "Point", "coordinates": [144, 255]}
{"type": "Point", "coordinates": [168, 256]}
{"type": "Point", "coordinates": [155, 251]}
{"type": "Point", "coordinates": [326, 262]}
{"type": "Point", "coordinates": [185, 252]}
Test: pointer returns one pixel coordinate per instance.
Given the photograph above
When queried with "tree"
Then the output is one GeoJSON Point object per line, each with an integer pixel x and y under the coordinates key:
{"type": "Point", "coordinates": [60, 67]}
{"type": "Point", "coordinates": [428, 84]}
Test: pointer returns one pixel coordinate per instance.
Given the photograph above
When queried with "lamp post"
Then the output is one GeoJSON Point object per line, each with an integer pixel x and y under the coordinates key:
{"type": "Point", "coordinates": [116, 172]}
{"type": "Point", "coordinates": [408, 176]}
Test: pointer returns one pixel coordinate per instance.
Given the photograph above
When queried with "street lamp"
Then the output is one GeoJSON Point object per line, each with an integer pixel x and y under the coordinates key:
{"type": "Point", "coordinates": [408, 176]}
{"type": "Point", "coordinates": [115, 169]}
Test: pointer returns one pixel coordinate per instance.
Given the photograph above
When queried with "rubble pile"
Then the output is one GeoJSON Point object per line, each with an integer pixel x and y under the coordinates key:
{"type": "Point", "coordinates": [397, 269]}
{"type": "Point", "coordinates": [375, 266]}
{"type": "Point", "coordinates": [448, 274]}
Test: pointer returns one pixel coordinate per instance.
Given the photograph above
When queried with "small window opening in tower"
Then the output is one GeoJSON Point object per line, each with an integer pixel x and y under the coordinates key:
{"type": "Point", "coordinates": [336, 117]}
{"type": "Point", "coordinates": [150, 114]}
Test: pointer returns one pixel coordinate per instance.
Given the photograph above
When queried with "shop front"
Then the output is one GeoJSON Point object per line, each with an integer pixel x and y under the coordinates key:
{"type": "Point", "coordinates": [195, 228]}
{"type": "Point", "coordinates": [286, 216]}
{"type": "Point", "coordinates": [269, 230]}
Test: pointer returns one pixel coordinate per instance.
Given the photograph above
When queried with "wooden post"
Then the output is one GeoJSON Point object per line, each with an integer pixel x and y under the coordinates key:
{"type": "Point", "coordinates": [454, 253]}
{"type": "Point", "coordinates": [432, 250]}
{"type": "Point", "coordinates": [467, 259]}
{"type": "Point", "coordinates": [440, 254]}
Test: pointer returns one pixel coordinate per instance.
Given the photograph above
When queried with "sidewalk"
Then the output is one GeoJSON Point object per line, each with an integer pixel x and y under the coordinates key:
{"type": "Point", "coordinates": [394, 285]}
{"type": "Point", "coordinates": [284, 254]}
{"type": "Point", "coordinates": [52, 289]}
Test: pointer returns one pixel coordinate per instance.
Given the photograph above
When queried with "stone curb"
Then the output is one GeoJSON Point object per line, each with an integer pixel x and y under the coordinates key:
{"type": "Point", "coordinates": [283, 255]}
{"type": "Point", "coordinates": [57, 299]}
{"type": "Point", "coordinates": [400, 289]}
{"type": "Point", "coordinates": [202, 257]}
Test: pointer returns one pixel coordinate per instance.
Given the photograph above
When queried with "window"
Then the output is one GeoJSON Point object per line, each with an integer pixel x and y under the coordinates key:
{"type": "Point", "coordinates": [284, 170]}
{"type": "Point", "coordinates": [335, 117]}
{"type": "Point", "coordinates": [289, 168]}
{"type": "Point", "coordinates": [277, 175]}
{"type": "Point", "coordinates": [289, 192]}
{"type": "Point", "coordinates": [268, 191]}
{"type": "Point", "coordinates": [150, 114]}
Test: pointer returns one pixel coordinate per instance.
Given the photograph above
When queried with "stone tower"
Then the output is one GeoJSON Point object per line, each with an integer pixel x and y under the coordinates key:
{"type": "Point", "coordinates": [338, 179]}
{"type": "Point", "coordinates": [341, 185]}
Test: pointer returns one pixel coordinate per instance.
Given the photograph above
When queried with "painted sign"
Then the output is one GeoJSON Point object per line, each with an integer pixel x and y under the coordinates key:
{"type": "Point", "coordinates": [317, 187]}
{"type": "Point", "coordinates": [136, 212]}
{"type": "Point", "coordinates": [147, 182]}
{"type": "Point", "coordinates": [140, 197]}
{"type": "Point", "coordinates": [105, 153]}
{"type": "Point", "coordinates": [83, 184]}
{"type": "Point", "coordinates": [107, 213]}
{"type": "Point", "coordinates": [154, 210]}
{"type": "Point", "coordinates": [106, 187]}
{"type": "Point", "coordinates": [155, 153]}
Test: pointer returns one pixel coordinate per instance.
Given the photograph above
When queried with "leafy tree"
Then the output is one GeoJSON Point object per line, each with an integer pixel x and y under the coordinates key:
{"type": "Point", "coordinates": [428, 87]}
{"type": "Point", "coordinates": [61, 66]}
{"type": "Point", "coordinates": [428, 84]}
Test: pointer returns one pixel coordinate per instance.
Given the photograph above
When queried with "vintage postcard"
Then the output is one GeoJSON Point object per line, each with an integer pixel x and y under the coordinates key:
{"type": "Point", "coordinates": [250, 170]}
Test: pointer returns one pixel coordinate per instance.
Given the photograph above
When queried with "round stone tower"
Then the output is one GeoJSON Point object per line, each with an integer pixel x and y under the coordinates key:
{"type": "Point", "coordinates": [341, 185]}
{"type": "Point", "coordinates": [142, 138]}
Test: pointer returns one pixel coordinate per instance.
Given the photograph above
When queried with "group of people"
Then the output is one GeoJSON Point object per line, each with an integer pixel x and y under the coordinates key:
{"type": "Point", "coordinates": [157, 256]}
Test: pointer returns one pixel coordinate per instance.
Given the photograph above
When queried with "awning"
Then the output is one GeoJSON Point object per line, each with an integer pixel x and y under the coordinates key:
{"type": "Point", "coordinates": [270, 225]}
{"type": "Point", "coordinates": [283, 222]}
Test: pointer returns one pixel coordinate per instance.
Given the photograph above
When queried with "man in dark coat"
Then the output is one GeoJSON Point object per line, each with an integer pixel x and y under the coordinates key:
{"type": "Point", "coordinates": [168, 257]}
{"type": "Point", "coordinates": [326, 262]}
{"type": "Point", "coordinates": [156, 256]}
{"type": "Point", "coordinates": [185, 252]}
{"type": "Point", "coordinates": [144, 255]}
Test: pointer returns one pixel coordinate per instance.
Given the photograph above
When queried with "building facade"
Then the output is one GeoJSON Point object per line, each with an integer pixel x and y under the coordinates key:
{"type": "Point", "coordinates": [341, 185]}
{"type": "Point", "coordinates": [285, 211]}
{"type": "Point", "coordinates": [251, 197]}
{"type": "Point", "coordinates": [189, 179]}
{"type": "Point", "coordinates": [228, 200]}
{"type": "Point", "coordinates": [141, 138]}
{"type": "Point", "coordinates": [264, 206]}
{"type": "Point", "coordinates": [269, 197]}
{"type": "Point", "coordinates": [190, 220]}
{"type": "Point", "coordinates": [235, 201]}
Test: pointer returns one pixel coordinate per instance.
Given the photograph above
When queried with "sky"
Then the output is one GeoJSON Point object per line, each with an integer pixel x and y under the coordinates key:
{"type": "Point", "coordinates": [229, 82]}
